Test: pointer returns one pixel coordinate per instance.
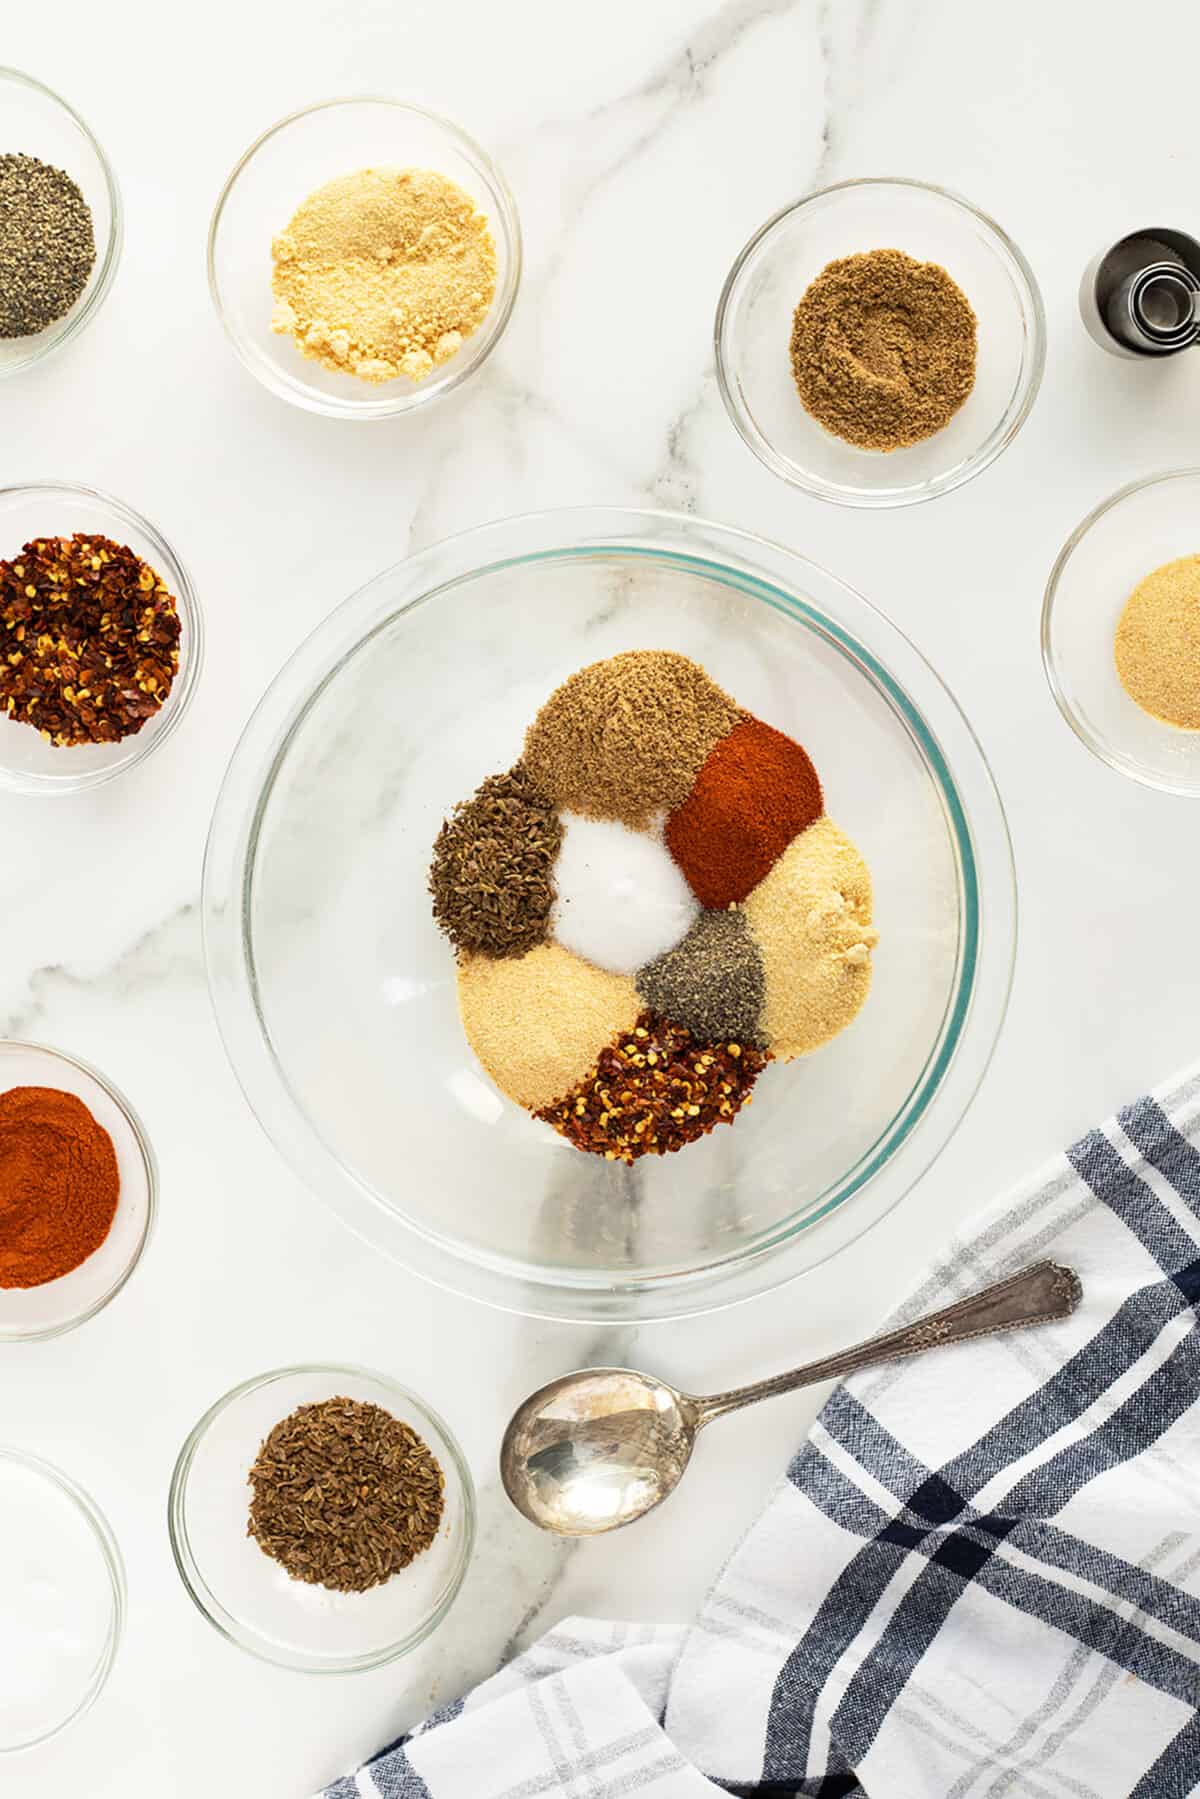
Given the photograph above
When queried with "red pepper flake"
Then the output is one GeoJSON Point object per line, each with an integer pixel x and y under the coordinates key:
{"type": "Point", "coordinates": [89, 639]}
{"type": "Point", "coordinates": [654, 1090]}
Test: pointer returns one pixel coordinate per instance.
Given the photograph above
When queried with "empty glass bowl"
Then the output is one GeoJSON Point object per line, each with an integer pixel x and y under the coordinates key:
{"type": "Point", "coordinates": [248, 1596]}
{"type": "Point", "coordinates": [35, 122]}
{"type": "Point", "coordinates": [335, 992]}
{"type": "Point", "coordinates": [1127, 536]}
{"type": "Point", "coordinates": [301, 153]}
{"type": "Point", "coordinates": [60, 1305]}
{"type": "Point", "coordinates": [754, 325]}
{"type": "Point", "coordinates": [62, 1600]}
{"type": "Point", "coordinates": [28, 764]}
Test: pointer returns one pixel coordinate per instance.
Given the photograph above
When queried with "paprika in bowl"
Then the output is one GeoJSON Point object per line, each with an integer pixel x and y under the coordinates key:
{"type": "Point", "coordinates": [336, 996]}
{"type": "Point", "coordinates": [77, 1191]}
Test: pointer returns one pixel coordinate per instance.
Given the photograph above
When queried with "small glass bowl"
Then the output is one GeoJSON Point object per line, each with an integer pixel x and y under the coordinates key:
{"type": "Point", "coordinates": [31, 1312]}
{"type": "Point", "coordinates": [61, 1551]}
{"type": "Point", "coordinates": [285, 165]}
{"type": "Point", "coordinates": [1133, 532]}
{"type": "Point", "coordinates": [35, 122]}
{"type": "Point", "coordinates": [28, 764]}
{"type": "Point", "coordinates": [246, 1595]}
{"type": "Point", "coordinates": [754, 324]}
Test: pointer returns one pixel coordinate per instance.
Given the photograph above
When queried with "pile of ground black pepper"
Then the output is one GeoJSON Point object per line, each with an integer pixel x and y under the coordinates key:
{"type": "Point", "coordinates": [883, 349]}
{"type": "Point", "coordinates": [344, 1495]}
{"type": "Point", "coordinates": [654, 1090]}
{"type": "Point", "coordinates": [47, 245]}
{"type": "Point", "coordinates": [492, 877]}
{"type": "Point", "coordinates": [89, 639]}
{"type": "Point", "coordinates": [712, 982]}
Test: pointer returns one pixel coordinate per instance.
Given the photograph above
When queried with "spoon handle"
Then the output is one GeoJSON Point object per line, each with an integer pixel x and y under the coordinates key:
{"type": "Point", "coordinates": [1036, 1295]}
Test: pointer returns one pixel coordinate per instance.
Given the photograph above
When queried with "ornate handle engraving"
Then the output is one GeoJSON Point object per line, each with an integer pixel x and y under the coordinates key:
{"type": "Point", "coordinates": [1035, 1296]}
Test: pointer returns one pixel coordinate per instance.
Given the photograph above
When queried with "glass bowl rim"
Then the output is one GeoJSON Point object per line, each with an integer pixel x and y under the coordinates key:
{"type": "Point", "coordinates": [243, 1636]}
{"type": "Point", "coordinates": [1016, 412]}
{"type": "Point", "coordinates": [184, 684]}
{"type": "Point", "coordinates": [1092, 740]}
{"type": "Point", "coordinates": [114, 1565]}
{"type": "Point", "coordinates": [238, 1013]}
{"type": "Point", "coordinates": [101, 282]}
{"type": "Point", "coordinates": [296, 392]}
{"type": "Point", "coordinates": [41, 1333]}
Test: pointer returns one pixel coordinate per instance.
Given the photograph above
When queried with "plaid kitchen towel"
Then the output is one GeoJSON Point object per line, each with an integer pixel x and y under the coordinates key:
{"type": "Point", "coordinates": [981, 1576]}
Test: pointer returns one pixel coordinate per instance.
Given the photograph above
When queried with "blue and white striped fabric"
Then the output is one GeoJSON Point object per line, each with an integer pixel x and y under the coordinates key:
{"type": "Point", "coordinates": [981, 1576]}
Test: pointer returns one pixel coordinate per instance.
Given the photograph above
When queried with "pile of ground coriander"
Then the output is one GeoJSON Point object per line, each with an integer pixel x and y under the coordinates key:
{"type": "Point", "coordinates": [883, 349]}
{"type": "Point", "coordinates": [384, 273]}
{"type": "Point", "coordinates": [626, 737]}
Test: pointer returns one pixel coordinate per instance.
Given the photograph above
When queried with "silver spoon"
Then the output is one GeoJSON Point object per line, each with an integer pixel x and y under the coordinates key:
{"type": "Point", "coordinates": [596, 1449]}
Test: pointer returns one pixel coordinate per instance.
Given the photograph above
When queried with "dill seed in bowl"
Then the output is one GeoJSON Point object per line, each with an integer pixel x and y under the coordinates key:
{"type": "Point", "coordinates": [344, 1495]}
{"type": "Point", "coordinates": [47, 245]}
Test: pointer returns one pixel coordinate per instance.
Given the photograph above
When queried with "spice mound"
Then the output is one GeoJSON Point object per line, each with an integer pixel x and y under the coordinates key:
{"type": "Point", "coordinates": [344, 1495]}
{"type": "Point", "coordinates": [712, 982]}
{"type": "Point", "coordinates": [811, 918]}
{"type": "Point", "coordinates": [757, 790]}
{"type": "Point", "coordinates": [883, 349]}
{"type": "Point", "coordinates": [535, 1023]}
{"type": "Point", "coordinates": [383, 273]}
{"type": "Point", "coordinates": [89, 640]}
{"type": "Point", "coordinates": [621, 898]}
{"type": "Point", "coordinates": [1157, 645]}
{"type": "Point", "coordinates": [624, 738]}
{"type": "Point", "coordinates": [654, 1090]}
{"type": "Point", "coordinates": [47, 245]}
{"type": "Point", "coordinates": [695, 914]}
{"type": "Point", "coordinates": [492, 879]}
{"type": "Point", "coordinates": [59, 1185]}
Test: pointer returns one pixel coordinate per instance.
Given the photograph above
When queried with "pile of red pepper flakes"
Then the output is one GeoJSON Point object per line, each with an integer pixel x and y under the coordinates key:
{"type": "Point", "coordinates": [654, 1090]}
{"type": "Point", "coordinates": [89, 639]}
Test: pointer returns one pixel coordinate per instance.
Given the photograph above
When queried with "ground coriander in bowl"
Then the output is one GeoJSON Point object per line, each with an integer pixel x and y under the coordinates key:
{"type": "Point", "coordinates": [879, 342]}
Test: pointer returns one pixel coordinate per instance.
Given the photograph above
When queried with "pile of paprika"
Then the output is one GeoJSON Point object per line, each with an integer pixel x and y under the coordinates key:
{"type": "Point", "coordinates": [59, 1185]}
{"type": "Point", "coordinates": [756, 791]}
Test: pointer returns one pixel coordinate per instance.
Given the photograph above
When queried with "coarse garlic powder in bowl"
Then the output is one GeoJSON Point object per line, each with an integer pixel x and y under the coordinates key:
{"type": "Point", "coordinates": [297, 270]}
{"type": "Point", "coordinates": [336, 993]}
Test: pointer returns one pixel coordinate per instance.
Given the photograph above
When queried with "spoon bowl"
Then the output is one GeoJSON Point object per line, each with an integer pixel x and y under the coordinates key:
{"type": "Point", "coordinates": [597, 1449]}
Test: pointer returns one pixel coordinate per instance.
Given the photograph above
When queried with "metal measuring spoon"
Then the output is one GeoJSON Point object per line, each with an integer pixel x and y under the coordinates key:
{"type": "Point", "coordinates": [596, 1449]}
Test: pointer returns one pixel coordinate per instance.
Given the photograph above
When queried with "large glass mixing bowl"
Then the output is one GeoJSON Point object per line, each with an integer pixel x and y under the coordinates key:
{"type": "Point", "coordinates": [336, 995]}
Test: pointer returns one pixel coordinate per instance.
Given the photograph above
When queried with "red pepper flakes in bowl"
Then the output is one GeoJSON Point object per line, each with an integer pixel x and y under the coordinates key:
{"type": "Point", "coordinates": [654, 1090]}
{"type": "Point", "coordinates": [89, 639]}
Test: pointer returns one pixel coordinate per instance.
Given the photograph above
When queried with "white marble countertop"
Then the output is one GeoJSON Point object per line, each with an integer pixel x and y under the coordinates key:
{"type": "Point", "coordinates": [644, 144]}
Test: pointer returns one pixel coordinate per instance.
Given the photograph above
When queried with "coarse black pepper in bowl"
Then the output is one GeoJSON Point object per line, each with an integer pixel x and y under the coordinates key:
{"type": "Point", "coordinates": [322, 1518]}
{"type": "Point", "coordinates": [60, 222]}
{"type": "Point", "coordinates": [101, 638]}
